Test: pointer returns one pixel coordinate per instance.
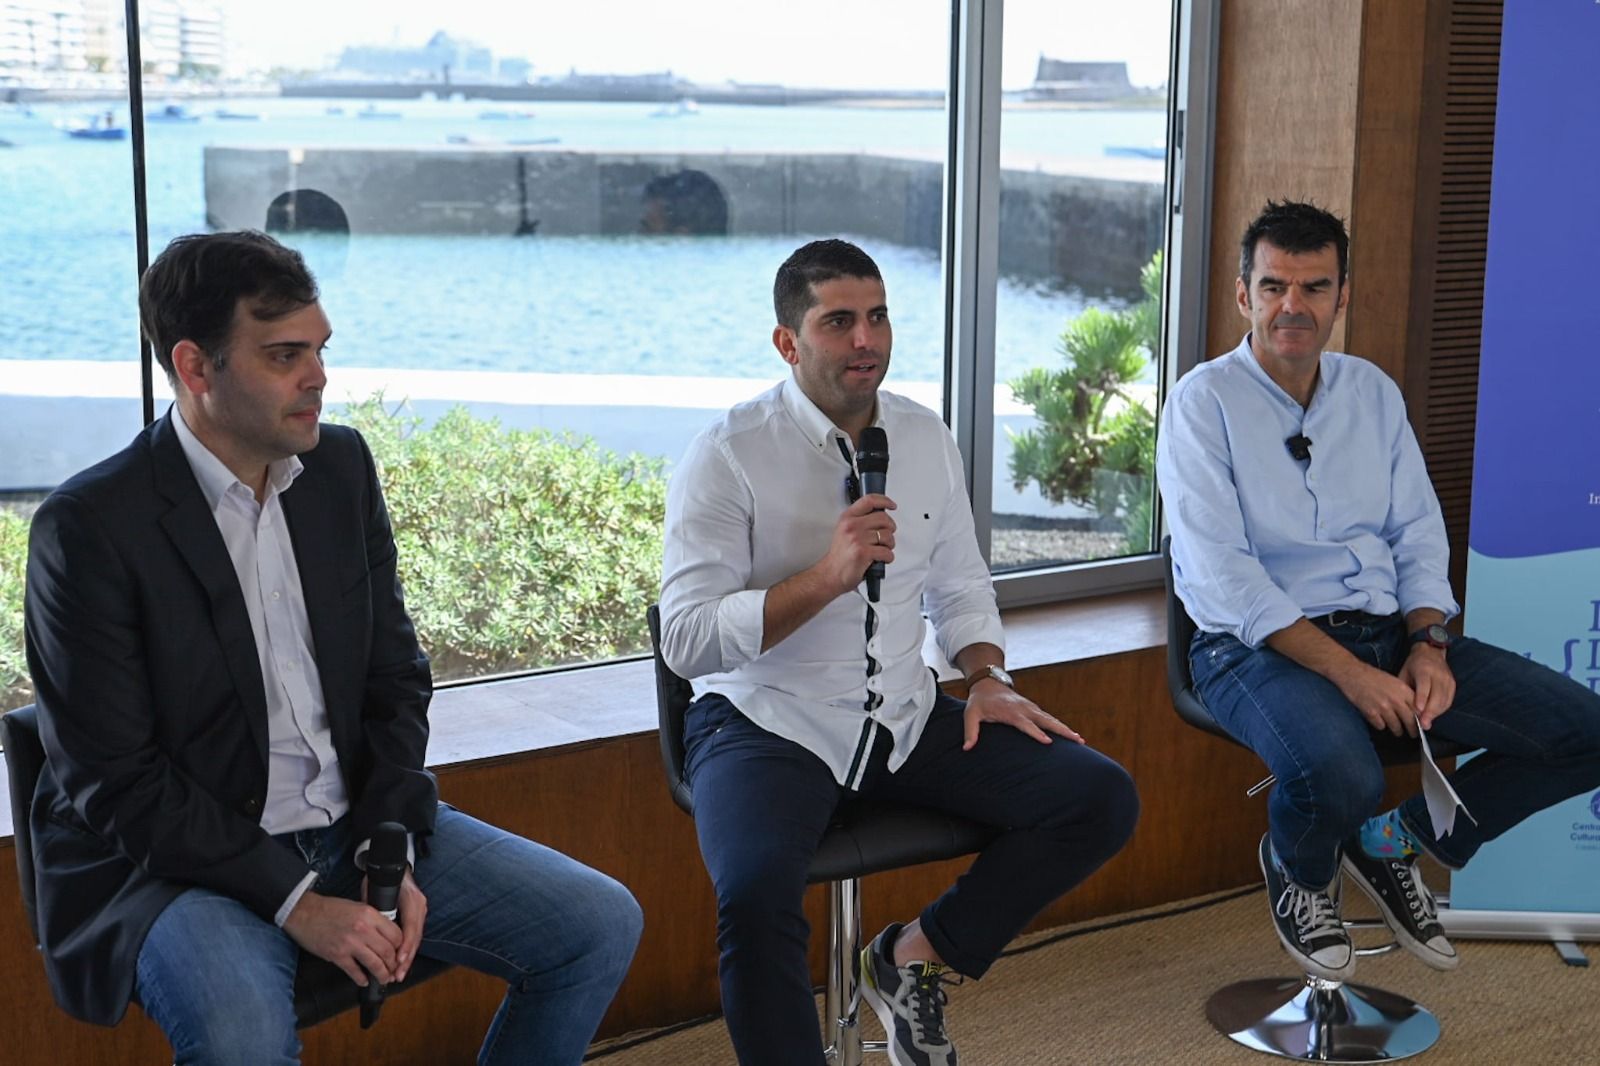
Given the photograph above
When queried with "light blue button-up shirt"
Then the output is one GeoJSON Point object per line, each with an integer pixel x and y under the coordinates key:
{"type": "Point", "coordinates": [1261, 539]}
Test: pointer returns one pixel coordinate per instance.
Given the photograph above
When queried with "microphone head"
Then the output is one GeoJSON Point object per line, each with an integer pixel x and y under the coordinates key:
{"type": "Point", "coordinates": [387, 852]}
{"type": "Point", "coordinates": [872, 456]}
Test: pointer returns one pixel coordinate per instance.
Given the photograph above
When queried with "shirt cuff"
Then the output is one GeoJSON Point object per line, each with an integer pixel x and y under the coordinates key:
{"type": "Point", "coordinates": [1440, 599]}
{"type": "Point", "coordinates": [294, 898]}
{"type": "Point", "coordinates": [740, 627]}
{"type": "Point", "coordinates": [1277, 613]}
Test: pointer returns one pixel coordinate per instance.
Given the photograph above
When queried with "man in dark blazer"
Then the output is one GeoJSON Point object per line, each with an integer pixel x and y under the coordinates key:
{"type": "Point", "coordinates": [232, 697]}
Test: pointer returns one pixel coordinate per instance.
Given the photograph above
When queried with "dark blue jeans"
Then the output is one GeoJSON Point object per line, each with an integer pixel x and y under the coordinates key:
{"type": "Point", "coordinates": [762, 804]}
{"type": "Point", "coordinates": [1540, 733]}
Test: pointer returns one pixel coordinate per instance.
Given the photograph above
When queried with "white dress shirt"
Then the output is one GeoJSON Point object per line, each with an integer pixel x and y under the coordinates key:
{"type": "Point", "coordinates": [305, 788]}
{"type": "Point", "coordinates": [1261, 539]}
{"type": "Point", "coordinates": [755, 501]}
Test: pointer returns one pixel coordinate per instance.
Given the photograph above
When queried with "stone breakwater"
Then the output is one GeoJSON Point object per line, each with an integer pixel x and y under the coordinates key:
{"type": "Point", "coordinates": [1091, 224]}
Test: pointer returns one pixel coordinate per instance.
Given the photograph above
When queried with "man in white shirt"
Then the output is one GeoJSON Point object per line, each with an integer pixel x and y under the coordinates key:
{"type": "Point", "coordinates": [810, 694]}
{"type": "Point", "coordinates": [232, 698]}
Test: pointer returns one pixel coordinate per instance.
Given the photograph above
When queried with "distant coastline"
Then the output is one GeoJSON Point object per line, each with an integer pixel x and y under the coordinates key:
{"type": "Point", "coordinates": [586, 90]}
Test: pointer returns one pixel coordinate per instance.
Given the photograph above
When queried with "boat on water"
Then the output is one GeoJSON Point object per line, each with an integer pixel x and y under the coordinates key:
{"type": "Point", "coordinates": [504, 116]}
{"type": "Point", "coordinates": [1136, 151]}
{"type": "Point", "coordinates": [373, 111]}
{"type": "Point", "coordinates": [685, 106]}
{"type": "Point", "coordinates": [237, 116]}
{"type": "Point", "coordinates": [97, 128]}
{"type": "Point", "coordinates": [171, 113]}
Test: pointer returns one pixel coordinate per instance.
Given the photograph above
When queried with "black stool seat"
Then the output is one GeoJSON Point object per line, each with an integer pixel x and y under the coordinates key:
{"type": "Point", "coordinates": [321, 989]}
{"type": "Point", "coordinates": [889, 836]}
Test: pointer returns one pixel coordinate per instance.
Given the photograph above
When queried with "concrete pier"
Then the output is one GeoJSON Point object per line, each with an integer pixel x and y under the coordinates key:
{"type": "Point", "coordinates": [1088, 223]}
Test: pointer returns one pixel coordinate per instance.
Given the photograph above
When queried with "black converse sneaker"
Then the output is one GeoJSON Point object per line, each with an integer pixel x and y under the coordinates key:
{"type": "Point", "coordinates": [1407, 906]}
{"type": "Point", "coordinates": [1307, 921]}
{"type": "Point", "coordinates": [909, 1001]}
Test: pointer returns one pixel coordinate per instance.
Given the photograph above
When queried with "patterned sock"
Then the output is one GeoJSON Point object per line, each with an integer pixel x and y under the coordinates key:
{"type": "Point", "coordinates": [1383, 836]}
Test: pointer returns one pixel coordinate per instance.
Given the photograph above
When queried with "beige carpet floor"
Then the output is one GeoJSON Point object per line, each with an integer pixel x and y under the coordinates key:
{"type": "Point", "coordinates": [1121, 991]}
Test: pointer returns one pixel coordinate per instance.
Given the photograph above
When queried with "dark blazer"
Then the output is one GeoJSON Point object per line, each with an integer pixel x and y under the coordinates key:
{"type": "Point", "coordinates": [152, 709]}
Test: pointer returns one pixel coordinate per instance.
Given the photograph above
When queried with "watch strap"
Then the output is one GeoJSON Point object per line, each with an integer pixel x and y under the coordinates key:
{"type": "Point", "coordinates": [988, 671]}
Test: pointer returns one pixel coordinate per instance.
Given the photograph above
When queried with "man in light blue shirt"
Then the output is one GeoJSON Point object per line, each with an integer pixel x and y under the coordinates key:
{"type": "Point", "coordinates": [1309, 549]}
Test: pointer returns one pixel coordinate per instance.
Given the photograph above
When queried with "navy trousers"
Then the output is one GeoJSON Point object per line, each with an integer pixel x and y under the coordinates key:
{"type": "Point", "coordinates": [762, 804]}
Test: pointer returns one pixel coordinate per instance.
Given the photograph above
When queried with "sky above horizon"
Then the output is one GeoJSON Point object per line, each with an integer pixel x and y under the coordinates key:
{"type": "Point", "coordinates": [878, 44]}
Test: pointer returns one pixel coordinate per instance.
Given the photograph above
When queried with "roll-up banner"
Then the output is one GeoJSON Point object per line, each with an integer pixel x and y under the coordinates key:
{"type": "Point", "coordinates": [1533, 572]}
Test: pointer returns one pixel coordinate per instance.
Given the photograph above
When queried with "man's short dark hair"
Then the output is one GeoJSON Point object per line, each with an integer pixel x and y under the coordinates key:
{"type": "Point", "coordinates": [192, 288]}
{"type": "Point", "coordinates": [813, 264]}
{"type": "Point", "coordinates": [1298, 228]}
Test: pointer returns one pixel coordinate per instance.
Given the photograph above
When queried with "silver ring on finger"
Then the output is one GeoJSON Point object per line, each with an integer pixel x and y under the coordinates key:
{"type": "Point", "coordinates": [877, 538]}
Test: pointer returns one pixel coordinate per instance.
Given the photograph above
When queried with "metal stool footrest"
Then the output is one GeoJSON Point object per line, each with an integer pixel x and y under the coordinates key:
{"type": "Point", "coordinates": [1314, 1020]}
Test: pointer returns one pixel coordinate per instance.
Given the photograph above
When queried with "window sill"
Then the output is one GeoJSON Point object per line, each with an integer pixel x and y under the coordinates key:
{"type": "Point", "coordinates": [499, 719]}
{"type": "Point", "coordinates": [471, 723]}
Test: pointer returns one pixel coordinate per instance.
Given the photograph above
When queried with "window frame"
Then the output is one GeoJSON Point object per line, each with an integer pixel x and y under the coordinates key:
{"type": "Point", "coordinates": [972, 266]}
{"type": "Point", "coordinates": [970, 261]}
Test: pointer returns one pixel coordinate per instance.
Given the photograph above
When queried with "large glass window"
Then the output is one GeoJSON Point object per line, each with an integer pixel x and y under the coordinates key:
{"type": "Point", "coordinates": [547, 247]}
{"type": "Point", "coordinates": [547, 252]}
{"type": "Point", "coordinates": [1083, 147]}
{"type": "Point", "coordinates": [69, 355]}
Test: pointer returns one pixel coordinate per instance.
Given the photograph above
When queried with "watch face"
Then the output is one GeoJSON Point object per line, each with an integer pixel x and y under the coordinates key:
{"type": "Point", "coordinates": [1001, 676]}
{"type": "Point", "coordinates": [1438, 635]}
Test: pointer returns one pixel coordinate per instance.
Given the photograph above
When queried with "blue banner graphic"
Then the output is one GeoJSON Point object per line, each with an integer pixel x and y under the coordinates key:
{"type": "Point", "coordinates": [1533, 572]}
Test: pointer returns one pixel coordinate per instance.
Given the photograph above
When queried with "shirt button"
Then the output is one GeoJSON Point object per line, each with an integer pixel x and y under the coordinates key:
{"type": "Point", "coordinates": [276, 594]}
{"type": "Point", "coordinates": [287, 667]}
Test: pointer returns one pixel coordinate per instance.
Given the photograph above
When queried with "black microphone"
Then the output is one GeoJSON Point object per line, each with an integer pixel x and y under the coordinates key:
{"type": "Point", "coordinates": [386, 868]}
{"type": "Point", "coordinates": [872, 459]}
{"type": "Point", "coordinates": [1299, 446]}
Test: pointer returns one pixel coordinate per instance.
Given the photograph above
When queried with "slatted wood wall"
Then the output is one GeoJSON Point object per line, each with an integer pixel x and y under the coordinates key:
{"type": "Point", "coordinates": [1456, 152]}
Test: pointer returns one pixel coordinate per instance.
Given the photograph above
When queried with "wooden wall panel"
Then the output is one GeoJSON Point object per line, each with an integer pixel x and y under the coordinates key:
{"type": "Point", "coordinates": [606, 804]}
{"type": "Point", "coordinates": [1384, 174]}
{"type": "Point", "coordinates": [1287, 108]}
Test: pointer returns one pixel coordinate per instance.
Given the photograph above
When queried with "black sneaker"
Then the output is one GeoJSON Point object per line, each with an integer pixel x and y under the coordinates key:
{"type": "Point", "coordinates": [1407, 906]}
{"type": "Point", "coordinates": [909, 1001]}
{"type": "Point", "coordinates": [1307, 921]}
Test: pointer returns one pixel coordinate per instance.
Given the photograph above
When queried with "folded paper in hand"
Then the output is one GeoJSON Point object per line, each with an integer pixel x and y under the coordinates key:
{"type": "Point", "coordinates": [1436, 791]}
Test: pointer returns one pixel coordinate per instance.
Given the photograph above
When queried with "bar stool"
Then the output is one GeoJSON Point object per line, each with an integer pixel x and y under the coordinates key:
{"type": "Point", "coordinates": [861, 842]}
{"type": "Point", "coordinates": [1307, 1017]}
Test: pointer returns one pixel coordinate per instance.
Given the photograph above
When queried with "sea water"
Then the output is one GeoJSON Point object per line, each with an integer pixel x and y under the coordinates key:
{"type": "Point", "coordinates": [631, 305]}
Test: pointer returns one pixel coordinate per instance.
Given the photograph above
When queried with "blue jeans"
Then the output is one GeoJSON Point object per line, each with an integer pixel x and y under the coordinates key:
{"type": "Point", "coordinates": [762, 804]}
{"type": "Point", "coordinates": [1540, 733]}
{"type": "Point", "coordinates": [219, 980]}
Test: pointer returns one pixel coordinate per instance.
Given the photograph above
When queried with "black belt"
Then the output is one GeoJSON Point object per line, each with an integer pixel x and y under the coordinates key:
{"type": "Point", "coordinates": [1353, 618]}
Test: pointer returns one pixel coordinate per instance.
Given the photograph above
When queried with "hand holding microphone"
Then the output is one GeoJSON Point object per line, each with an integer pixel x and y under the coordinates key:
{"type": "Point", "coordinates": [386, 869]}
{"type": "Point", "coordinates": [872, 460]}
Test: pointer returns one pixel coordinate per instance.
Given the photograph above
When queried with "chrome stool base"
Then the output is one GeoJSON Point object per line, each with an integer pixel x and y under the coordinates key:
{"type": "Point", "coordinates": [1313, 1020]}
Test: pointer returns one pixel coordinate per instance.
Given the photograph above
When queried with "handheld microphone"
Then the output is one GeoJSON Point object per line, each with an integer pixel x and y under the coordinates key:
{"type": "Point", "coordinates": [386, 868]}
{"type": "Point", "coordinates": [1299, 447]}
{"type": "Point", "coordinates": [872, 459]}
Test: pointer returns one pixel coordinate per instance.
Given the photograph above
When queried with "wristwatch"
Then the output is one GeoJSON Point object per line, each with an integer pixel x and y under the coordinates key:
{"type": "Point", "coordinates": [1435, 635]}
{"type": "Point", "coordinates": [996, 672]}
